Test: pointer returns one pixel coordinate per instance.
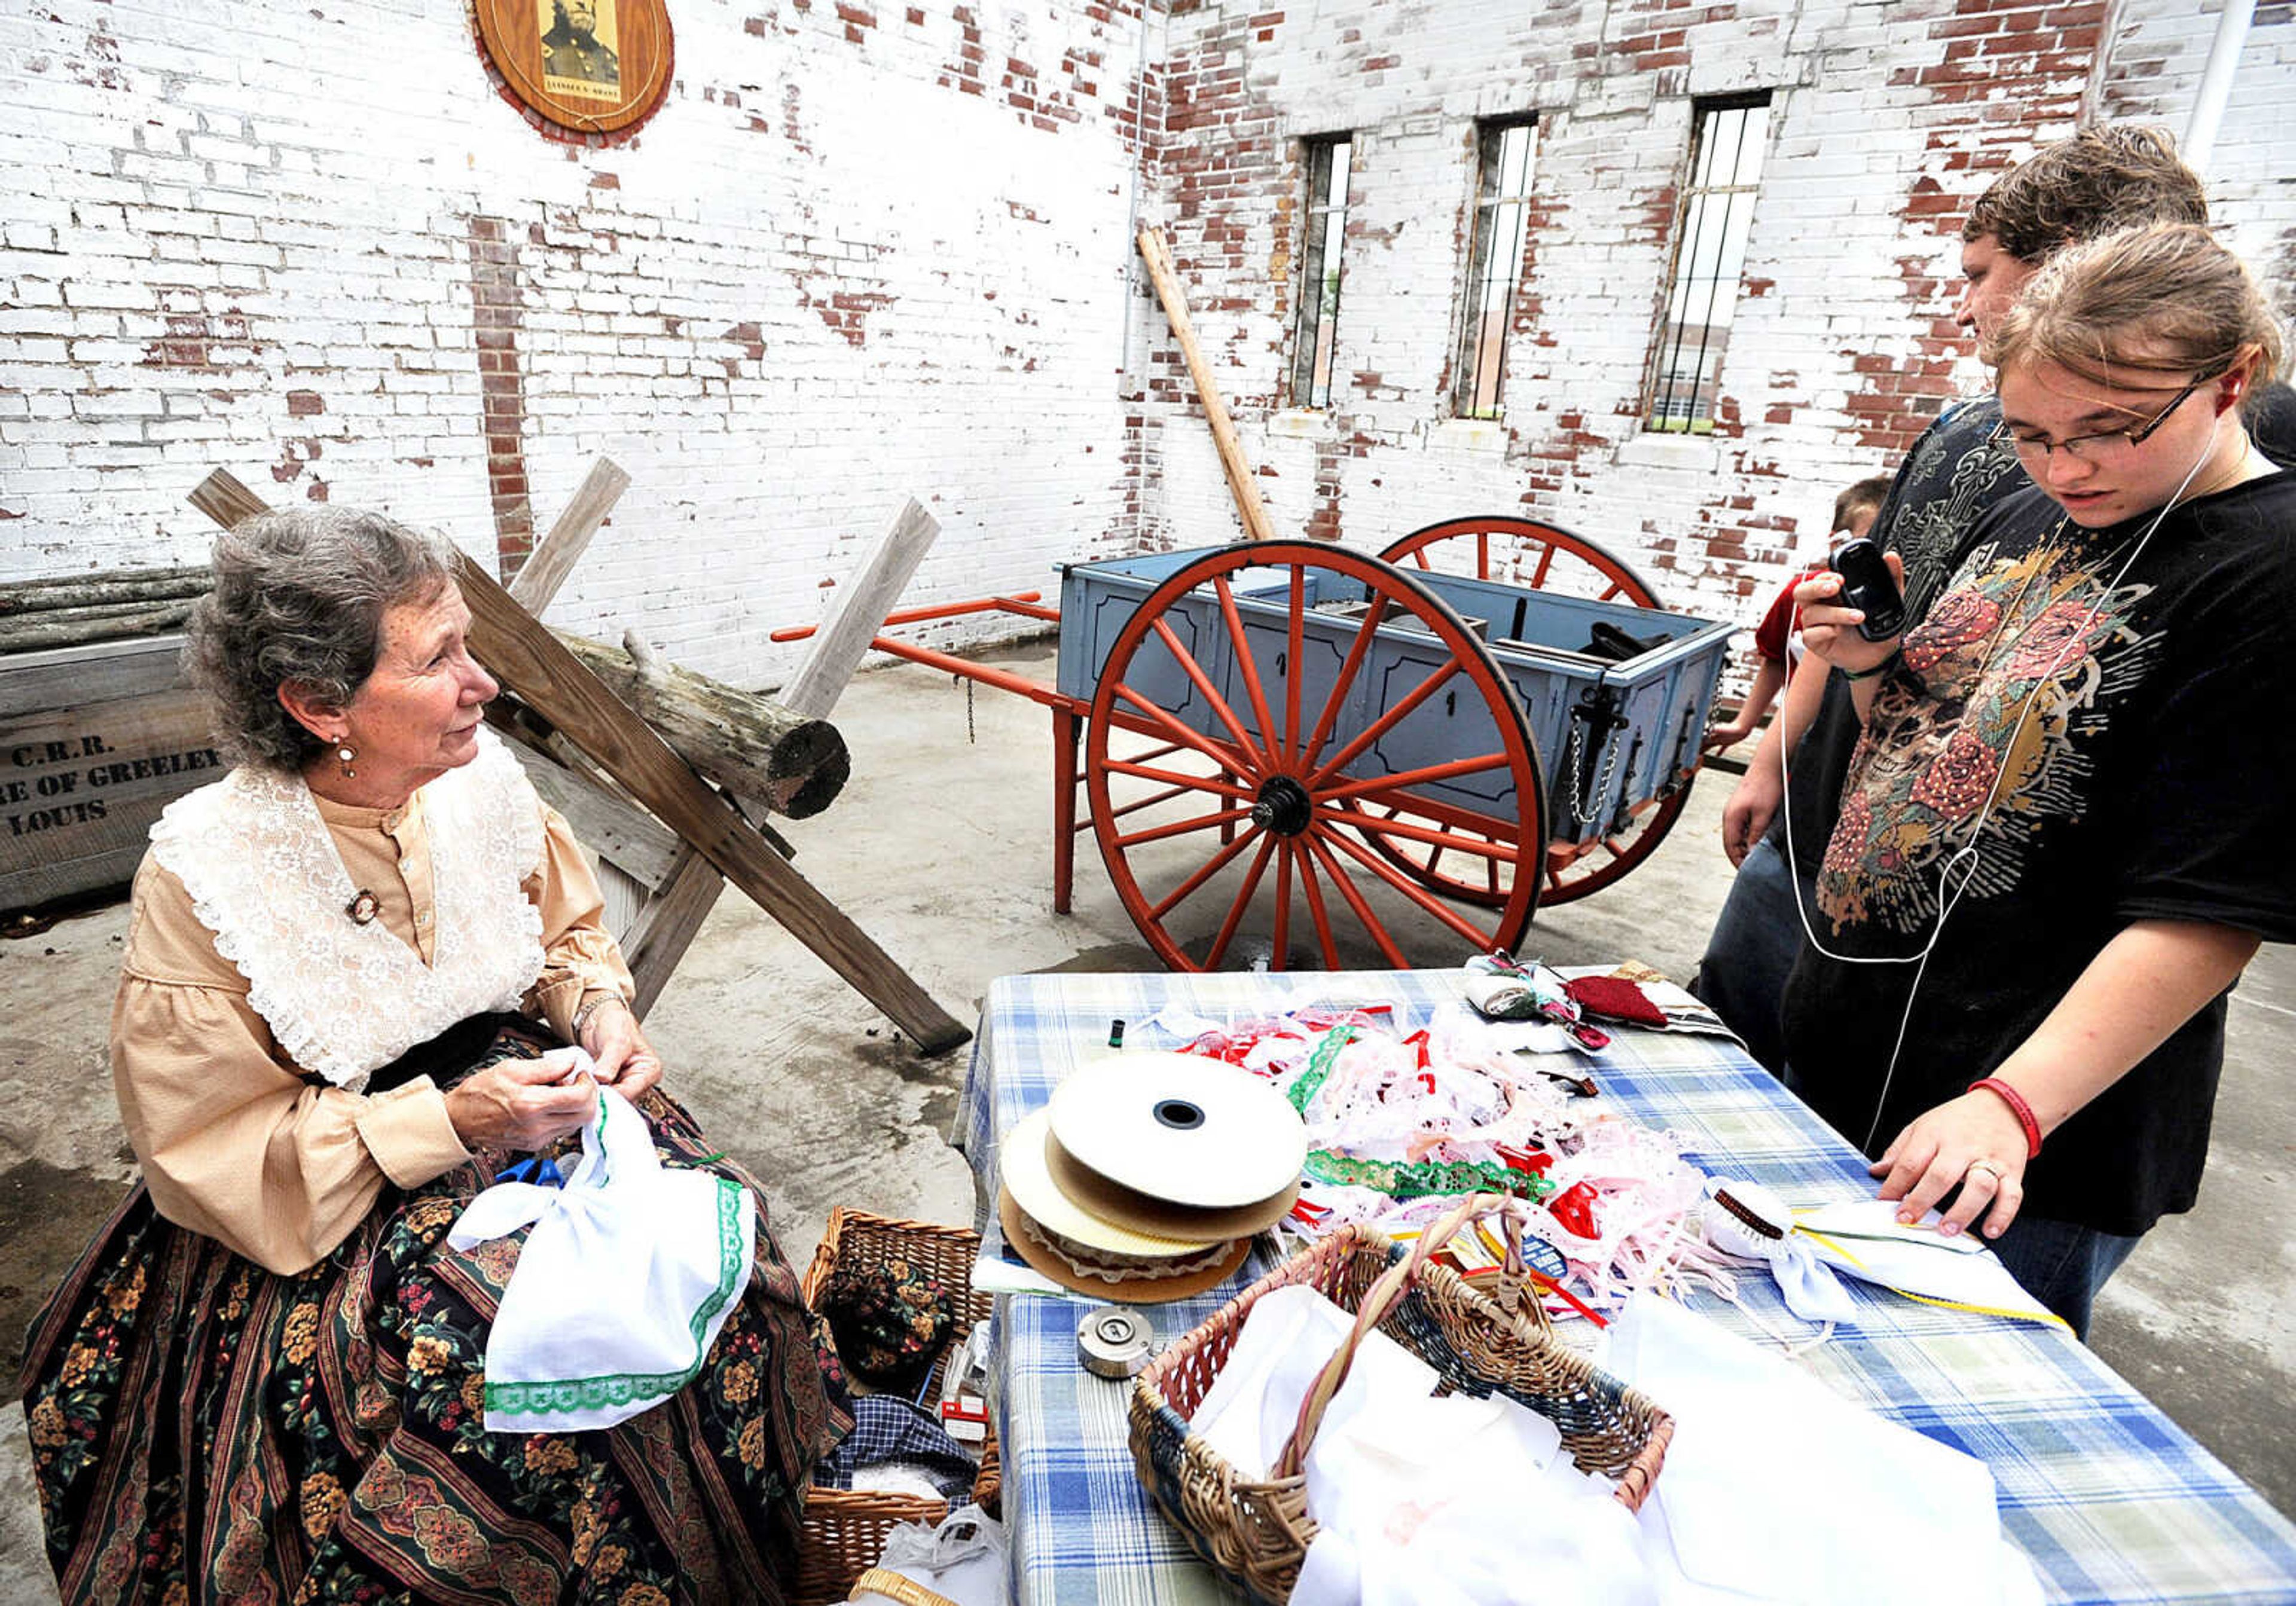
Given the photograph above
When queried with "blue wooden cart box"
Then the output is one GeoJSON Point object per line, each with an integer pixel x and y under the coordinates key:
{"type": "Point", "coordinates": [1610, 735]}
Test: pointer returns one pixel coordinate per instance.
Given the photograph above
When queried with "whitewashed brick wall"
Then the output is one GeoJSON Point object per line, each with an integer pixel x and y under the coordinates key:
{"type": "Point", "coordinates": [866, 250]}
{"type": "Point", "coordinates": [862, 252]}
{"type": "Point", "coordinates": [1886, 121]}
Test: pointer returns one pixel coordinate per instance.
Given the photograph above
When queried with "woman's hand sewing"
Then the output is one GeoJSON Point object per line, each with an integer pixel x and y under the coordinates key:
{"type": "Point", "coordinates": [1975, 1142]}
{"type": "Point", "coordinates": [626, 1062]}
{"type": "Point", "coordinates": [520, 1104]}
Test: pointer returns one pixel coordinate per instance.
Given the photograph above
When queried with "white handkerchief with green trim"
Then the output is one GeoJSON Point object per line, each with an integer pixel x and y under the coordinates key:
{"type": "Point", "coordinates": [627, 1275]}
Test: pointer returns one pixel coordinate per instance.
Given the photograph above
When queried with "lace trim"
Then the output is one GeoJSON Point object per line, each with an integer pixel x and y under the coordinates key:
{"type": "Point", "coordinates": [342, 998]}
{"type": "Point", "coordinates": [1104, 1268]}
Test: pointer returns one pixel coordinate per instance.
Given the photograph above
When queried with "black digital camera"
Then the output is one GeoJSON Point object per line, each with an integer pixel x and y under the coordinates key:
{"type": "Point", "coordinates": [1867, 585]}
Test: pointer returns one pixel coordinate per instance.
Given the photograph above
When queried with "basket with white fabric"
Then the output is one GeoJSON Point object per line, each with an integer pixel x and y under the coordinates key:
{"type": "Point", "coordinates": [1257, 1531]}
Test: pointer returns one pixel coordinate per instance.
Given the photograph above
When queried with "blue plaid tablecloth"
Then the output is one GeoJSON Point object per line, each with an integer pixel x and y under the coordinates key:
{"type": "Point", "coordinates": [2110, 1500]}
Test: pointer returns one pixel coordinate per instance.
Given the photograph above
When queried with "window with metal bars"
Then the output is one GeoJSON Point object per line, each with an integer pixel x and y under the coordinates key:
{"type": "Point", "coordinates": [1494, 262]}
{"type": "Point", "coordinates": [1709, 259]}
{"type": "Point", "coordinates": [1323, 228]}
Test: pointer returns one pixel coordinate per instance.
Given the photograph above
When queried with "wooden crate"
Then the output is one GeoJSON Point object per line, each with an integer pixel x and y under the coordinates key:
{"type": "Point", "coordinates": [94, 741]}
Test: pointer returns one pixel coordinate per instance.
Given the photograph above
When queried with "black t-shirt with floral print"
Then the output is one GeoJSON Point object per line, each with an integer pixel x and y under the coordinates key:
{"type": "Point", "coordinates": [2121, 726]}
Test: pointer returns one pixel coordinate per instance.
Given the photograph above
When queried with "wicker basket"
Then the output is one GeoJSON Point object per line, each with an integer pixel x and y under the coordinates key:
{"type": "Point", "coordinates": [844, 1531]}
{"type": "Point", "coordinates": [1258, 1533]}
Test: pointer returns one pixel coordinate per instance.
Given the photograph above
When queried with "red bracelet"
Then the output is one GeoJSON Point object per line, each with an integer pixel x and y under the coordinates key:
{"type": "Point", "coordinates": [2018, 1106]}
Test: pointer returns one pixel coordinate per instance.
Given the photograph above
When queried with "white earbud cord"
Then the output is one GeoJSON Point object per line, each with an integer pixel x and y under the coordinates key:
{"type": "Point", "coordinates": [1950, 894]}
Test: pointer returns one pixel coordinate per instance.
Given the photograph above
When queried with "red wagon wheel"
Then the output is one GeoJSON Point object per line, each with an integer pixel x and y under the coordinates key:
{"type": "Point", "coordinates": [1515, 551]}
{"type": "Point", "coordinates": [1299, 729]}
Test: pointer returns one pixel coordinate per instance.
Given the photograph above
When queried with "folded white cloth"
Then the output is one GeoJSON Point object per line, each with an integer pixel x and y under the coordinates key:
{"type": "Point", "coordinates": [1418, 1499]}
{"type": "Point", "coordinates": [626, 1276]}
{"type": "Point", "coordinates": [1862, 1238]}
{"type": "Point", "coordinates": [1776, 1489]}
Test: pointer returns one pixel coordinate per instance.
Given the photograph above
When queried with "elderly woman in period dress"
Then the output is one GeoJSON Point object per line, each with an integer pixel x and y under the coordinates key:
{"type": "Point", "coordinates": [264, 1379]}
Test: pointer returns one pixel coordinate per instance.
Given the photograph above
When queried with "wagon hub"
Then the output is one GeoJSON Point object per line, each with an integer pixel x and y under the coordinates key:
{"type": "Point", "coordinates": [1285, 806]}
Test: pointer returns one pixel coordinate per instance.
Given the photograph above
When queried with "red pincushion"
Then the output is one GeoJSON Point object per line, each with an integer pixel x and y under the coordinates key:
{"type": "Point", "coordinates": [1615, 998]}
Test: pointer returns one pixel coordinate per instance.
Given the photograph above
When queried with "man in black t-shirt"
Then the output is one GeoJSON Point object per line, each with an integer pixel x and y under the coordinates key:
{"type": "Point", "coordinates": [2101, 180]}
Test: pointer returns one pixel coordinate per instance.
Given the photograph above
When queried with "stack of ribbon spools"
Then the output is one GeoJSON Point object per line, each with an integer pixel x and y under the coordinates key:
{"type": "Point", "coordinates": [1147, 1174]}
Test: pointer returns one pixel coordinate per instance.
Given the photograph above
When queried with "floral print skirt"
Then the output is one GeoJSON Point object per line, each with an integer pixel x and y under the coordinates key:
{"type": "Point", "coordinates": [205, 1430]}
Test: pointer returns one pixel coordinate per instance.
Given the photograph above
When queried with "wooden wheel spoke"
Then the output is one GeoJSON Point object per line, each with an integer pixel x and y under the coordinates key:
{"type": "Point", "coordinates": [1479, 941]}
{"type": "Point", "coordinates": [1157, 834]}
{"type": "Point", "coordinates": [1242, 902]}
{"type": "Point", "coordinates": [1337, 699]}
{"type": "Point", "coordinates": [1180, 779]}
{"type": "Point", "coordinates": [1247, 668]}
{"type": "Point", "coordinates": [1392, 826]}
{"type": "Point", "coordinates": [1426, 775]}
{"type": "Point", "coordinates": [1281, 960]}
{"type": "Point", "coordinates": [1355, 901]}
{"type": "Point", "coordinates": [1226, 758]}
{"type": "Point", "coordinates": [1316, 910]}
{"type": "Point", "coordinates": [1545, 562]}
{"type": "Point", "coordinates": [1482, 554]}
{"type": "Point", "coordinates": [1211, 867]}
{"type": "Point", "coordinates": [1385, 723]}
{"type": "Point", "coordinates": [1150, 801]}
{"type": "Point", "coordinates": [1295, 642]}
{"type": "Point", "coordinates": [1194, 671]}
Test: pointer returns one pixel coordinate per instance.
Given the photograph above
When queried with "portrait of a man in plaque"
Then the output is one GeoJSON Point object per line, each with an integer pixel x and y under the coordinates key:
{"type": "Point", "coordinates": [578, 54]}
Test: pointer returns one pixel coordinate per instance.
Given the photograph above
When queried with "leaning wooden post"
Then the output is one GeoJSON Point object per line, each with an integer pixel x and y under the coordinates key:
{"type": "Point", "coordinates": [1240, 485]}
{"type": "Point", "coordinates": [530, 661]}
{"type": "Point", "coordinates": [671, 920]}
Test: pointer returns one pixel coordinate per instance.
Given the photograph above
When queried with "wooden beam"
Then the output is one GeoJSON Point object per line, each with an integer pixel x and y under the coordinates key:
{"type": "Point", "coordinates": [1240, 482]}
{"type": "Point", "coordinates": [549, 679]}
{"type": "Point", "coordinates": [546, 568]}
{"type": "Point", "coordinates": [623, 834]}
{"type": "Point", "coordinates": [856, 614]}
{"type": "Point", "coordinates": [666, 927]}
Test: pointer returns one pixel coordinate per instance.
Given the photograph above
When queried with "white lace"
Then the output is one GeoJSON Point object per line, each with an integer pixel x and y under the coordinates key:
{"type": "Point", "coordinates": [340, 997]}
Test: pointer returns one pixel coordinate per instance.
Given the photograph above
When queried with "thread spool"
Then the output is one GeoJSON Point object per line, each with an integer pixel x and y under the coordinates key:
{"type": "Point", "coordinates": [1113, 1342]}
{"type": "Point", "coordinates": [1745, 1219]}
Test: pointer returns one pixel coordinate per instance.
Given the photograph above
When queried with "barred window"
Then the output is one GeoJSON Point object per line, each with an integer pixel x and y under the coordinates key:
{"type": "Point", "coordinates": [1709, 259]}
{"type": "Point", "coordinates": [1324, 226]}
{"type": "Point", "coordinates": [1494, 262]}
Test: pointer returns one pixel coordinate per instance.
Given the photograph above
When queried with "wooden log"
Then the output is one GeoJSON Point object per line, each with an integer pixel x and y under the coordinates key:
{"type": "Point", "coordinates": [111, 587]}
{"type": "Point", "coordinates": [1175, 299]}
{"type": "Point", "coordinates": [52, 628]}
{"type": "Point", "coordinates": [768, 757]}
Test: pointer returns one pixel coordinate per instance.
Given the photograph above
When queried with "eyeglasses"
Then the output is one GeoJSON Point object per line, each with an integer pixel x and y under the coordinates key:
{"type": "Point", "coordinates": [2093, 448]}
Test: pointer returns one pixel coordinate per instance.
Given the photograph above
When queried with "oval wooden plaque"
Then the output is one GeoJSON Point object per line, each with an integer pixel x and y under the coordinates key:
{"type": "Point", "coordinates": [585, 66]}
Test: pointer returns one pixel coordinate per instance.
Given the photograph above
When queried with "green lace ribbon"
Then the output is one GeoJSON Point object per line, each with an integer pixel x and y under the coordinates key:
{"type": "Point", "coordinates": [1400, 1179]}
{"type": "Point", "coordinates": [1310, 1081]}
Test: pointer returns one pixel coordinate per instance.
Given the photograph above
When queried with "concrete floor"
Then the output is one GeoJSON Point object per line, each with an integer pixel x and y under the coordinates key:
{"type": "Point", "coordinates": [939, 848]}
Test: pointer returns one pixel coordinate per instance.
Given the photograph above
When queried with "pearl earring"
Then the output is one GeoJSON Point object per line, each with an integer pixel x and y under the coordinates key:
{"type": "Point", "coordinates": [343, 755]}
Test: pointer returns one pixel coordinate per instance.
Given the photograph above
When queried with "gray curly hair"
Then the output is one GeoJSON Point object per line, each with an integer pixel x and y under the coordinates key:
{"type": "Point", "coordinates": [298, 599]}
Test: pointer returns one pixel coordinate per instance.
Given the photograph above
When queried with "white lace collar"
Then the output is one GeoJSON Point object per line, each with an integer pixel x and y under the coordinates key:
{"type": "Point", "coordinates": [340, 997]}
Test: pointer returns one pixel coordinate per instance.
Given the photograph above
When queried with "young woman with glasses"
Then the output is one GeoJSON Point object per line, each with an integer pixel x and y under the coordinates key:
{"type": "Point", "coordinates": [2065, 830]}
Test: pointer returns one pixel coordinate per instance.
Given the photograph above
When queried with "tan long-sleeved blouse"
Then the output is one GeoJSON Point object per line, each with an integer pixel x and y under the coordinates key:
{"type": "Point", "coordinates": [234, 1141]}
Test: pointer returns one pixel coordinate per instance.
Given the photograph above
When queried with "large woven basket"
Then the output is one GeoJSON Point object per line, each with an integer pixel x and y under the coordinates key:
{"type": "Point", "coordinates": [844, 1531]}
{"type": "Point", "coordinates": [1257, 1533]}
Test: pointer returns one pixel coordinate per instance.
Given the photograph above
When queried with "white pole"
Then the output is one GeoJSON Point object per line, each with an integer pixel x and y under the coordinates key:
{"type": "Point", "coordinates": [2216, 83]}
